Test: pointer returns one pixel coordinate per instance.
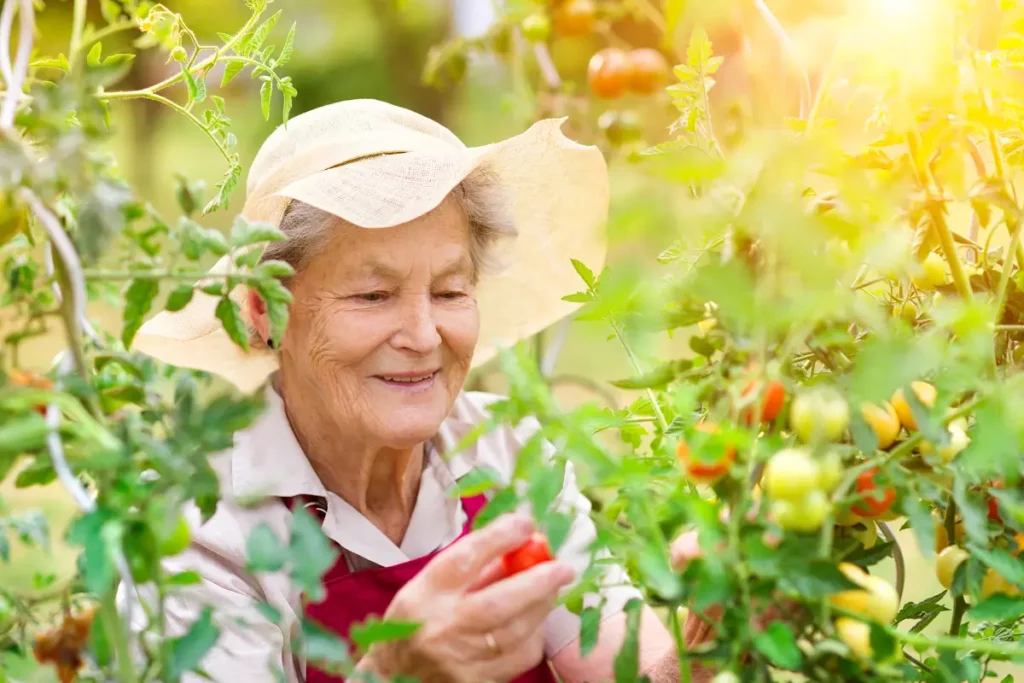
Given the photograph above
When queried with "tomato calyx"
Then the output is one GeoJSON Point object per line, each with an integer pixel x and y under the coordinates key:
{"type": "Point", "coordinates": [535, 551]}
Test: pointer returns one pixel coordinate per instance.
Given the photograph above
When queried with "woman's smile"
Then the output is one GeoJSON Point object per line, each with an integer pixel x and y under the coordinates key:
{"type": "Point", "coordinates": [409, 382]}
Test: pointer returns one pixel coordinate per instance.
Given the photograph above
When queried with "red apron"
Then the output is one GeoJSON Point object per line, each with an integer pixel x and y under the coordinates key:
{"type": "Point", "coordinates": [354, 596]}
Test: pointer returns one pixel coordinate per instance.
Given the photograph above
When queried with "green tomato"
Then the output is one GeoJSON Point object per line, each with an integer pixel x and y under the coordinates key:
{"type": "Point", "coordinates": [178, 539]}
{"type": "Point", "coordinates": [790, 475]}
{"type": "Point", "coordinates": [178, 54]}
{"type": "Point", "coordinates": [830, 472]}
{"type": "Point", "coordinates": [907, 310]}
{"type": "Point", "coordinates": [947, 563]}
{"type": "Point", "coordinates": [806, 514]}
{"type": "Point", "coordinates": [932, 274]}
{"type": "Point", "coordinates": [620, 128]}
{"type": "Point", "coordinates": [821, 415]}
{"type": "Point", "coordinates": [726, 677]}
{"type": "Point", "coordinates": [536, 27]}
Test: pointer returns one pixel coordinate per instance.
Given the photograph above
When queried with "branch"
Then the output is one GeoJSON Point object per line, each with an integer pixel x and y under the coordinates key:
{"type": "Point", "coordinates": [77, 29]}
{"type": "Point", "coordinates": [15, 78]}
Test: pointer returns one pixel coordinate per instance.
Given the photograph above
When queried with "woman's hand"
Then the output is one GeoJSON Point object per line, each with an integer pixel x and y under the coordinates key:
{"type": "Point", "coordinates": [476, 624]}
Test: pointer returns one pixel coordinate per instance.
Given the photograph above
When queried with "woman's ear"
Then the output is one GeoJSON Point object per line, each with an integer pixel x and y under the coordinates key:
{"type": "Point", "coordinates": [258, 316]}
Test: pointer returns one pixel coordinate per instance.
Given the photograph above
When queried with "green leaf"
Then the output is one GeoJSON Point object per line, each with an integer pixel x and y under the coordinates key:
{"type": "Point", "coordinates": [248, 258]}
{"type": "Point", "coordinates": [95, 563]}
{"type": "Point", "coordinates": [274, 269]}
{"type": "Point", "coordinates": [579, 298]}
{"type": "Point", "coordinates": [919, 610]}
{"type": "Point", "coordinates": [475, 482]}
{"type": "Point", "coordinates": [590, 628]}
{"type": "Point", "coordinates": [883, 645]}
{"type": "Point", "coordinates": [245, 233]}
{"type": "Point", "coordinates": [504, 501]}
{"type": "Point", "coordinates": [321, 646]}
{"type": "Point", "coordinates": [110, 10]}
{"type": "Point", "coordinates": [93, 58]}
{"type": "Point", "coordinates": [286, 51]}
{"type": "Point", "coordinates": [224, 188]}
{"type": "Point", "coordinates": [1005, 564]}
{"type": "Point", "coordinates": [312, 554]}
{"type": "Point", "coordinates": [658, 575]}
{"type": "Point", "coordinates": [185, 578]}
{"type": "Point", "coordinates": [179, 298]}
{"type": "Point", "coordinates": [867, 557]}
{"type": "Point", "coordinates": [778, 645]}
{"type": "Point", "coordinates": [188, 650]}
{"type": "Point", "coordinates": [231, 318]}
{"type": "Point", "coordinates": [255, 42]}
{"type": "Point", "coordinates": [627, 661]}
{"type": "Point", "coordinates": [584, 272]}
{"type": "Point", "coordinates": [266, 91]}
{"type": "Point", "coordinates": [264, 551]}
{"type": "Point", "coordinates": [814, 579]}
{"type": "Point", "coordinates": [921, 522]}
{"type": "Point", "coordinates": [230, 71]}
{"type": "Point", "coordinates": [138, 300]}
{"type": "Point", "coordinates": [374, 630]}
{"type": "Point", "coordinates": [996, 608]}
{"type": "Point", "coordinates": [286, 105]}
{"type": "Point", "coordinates": [277, 297]}
{"type": "Point", "coordinates": [657, 378]}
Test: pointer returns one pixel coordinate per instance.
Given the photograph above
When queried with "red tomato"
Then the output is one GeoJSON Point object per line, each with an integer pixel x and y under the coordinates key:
{"type": "Point", "coordinates": [702, 471]}
{"type": "Point", "coordinates": [649, 70]}
{"type": "Point", "coordinates": [575, 18]}
{"type": "Point", "coordinates": [608, 73]}
{"type": "Point", "coordinates": [876, 502]}
{"type": "Point", "coordinates": [993, 511]}
{"type": "Point", "coordinates": [531, 553]}
{"type": "Point", "coordinates": [770, 400]}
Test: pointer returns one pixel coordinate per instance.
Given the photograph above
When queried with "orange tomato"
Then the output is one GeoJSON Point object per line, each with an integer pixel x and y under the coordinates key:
{"type": "Point", "coordinates": [648, 72]}
{"type": "Point", "coordinates": [876, 501]}
{"type": "Point", "coordinates": [608, 73]}
{"type": "Point", "coordinates": [925, 393]}
{"type": "Point", "coordinates": [771, 401]}
{"type": "Point", "coordinates": [883, 420]}
{"type": "Point", "coordinates": [575, 18]}
{"type": "Point", "coordinates": [701, 471]}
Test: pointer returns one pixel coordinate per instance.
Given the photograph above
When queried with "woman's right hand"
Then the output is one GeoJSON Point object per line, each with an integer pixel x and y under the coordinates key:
{"type": "Point", "coordinates": [477, 625]}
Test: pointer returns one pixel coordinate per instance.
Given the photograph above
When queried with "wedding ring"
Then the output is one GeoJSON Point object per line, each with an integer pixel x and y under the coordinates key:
{"type": "Point", "coordinates": [492, 645]}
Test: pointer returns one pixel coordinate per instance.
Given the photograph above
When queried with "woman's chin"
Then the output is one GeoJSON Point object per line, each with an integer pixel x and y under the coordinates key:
{"type": "Point", "coordinates": [404, 428]}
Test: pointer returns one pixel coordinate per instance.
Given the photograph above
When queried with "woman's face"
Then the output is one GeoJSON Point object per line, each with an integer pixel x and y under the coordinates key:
{"type": "Point", "coordinates": [383, 327]}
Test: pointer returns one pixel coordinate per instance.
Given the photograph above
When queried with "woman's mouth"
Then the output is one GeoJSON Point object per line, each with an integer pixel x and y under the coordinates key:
{"type": "Point", "coordinates": [409, 382]}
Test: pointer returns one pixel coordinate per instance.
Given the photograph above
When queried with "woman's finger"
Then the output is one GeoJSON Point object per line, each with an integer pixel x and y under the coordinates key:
{"type": "Point", "coordinates": [493, 572]}
{"type": "Point", "coordinates": [462, 562]}
{"type": "Point", "coordinates": [504, 600]}
{"type": "Point", "coordinates": [684, 550]}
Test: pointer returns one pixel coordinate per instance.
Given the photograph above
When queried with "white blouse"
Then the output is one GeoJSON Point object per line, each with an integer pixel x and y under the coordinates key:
{"type": "Point", "coordinates": [266, 460]}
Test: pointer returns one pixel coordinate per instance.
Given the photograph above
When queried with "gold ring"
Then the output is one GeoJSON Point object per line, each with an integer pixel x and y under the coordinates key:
{"type": "Point", "coordinates": [492, 645]}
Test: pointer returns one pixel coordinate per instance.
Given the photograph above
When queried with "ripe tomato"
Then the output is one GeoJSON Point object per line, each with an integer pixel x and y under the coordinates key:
{"type": "Point", "coordinates": [932, 274]}
{"type": "Point", "coordinates": [806, 514]}
{"type": "Point", "coordinates": [907, 310]}
{"type": "Point", "coordinates": [875, 502]}
{"type": "Point", "coordinates": [993, 511]}
{"type": "Point", "coordinates": [883, 420]}
{"type": "Point", "coordinates": [608, 73]}
{"type": "Point", "coordinates": [790, 475]}
{"type": "Point", "coordinates": [856, 635]}
{"type": "Point", "coordinates": [948, 561]}
{"type": "Point", "coordinates": [575, 18]}
{"type": "Point", "coordinates": [958, 441]}
{"type": "Point", "coordinates": [536, 27]}
{"type": "Point", "coordinates": [874, 599]}
{"type": "Point", "coordinates": [649, 70]}
{"type": "Point", "coordinates": [926, 394]}
{"type": "Point", "coordinates": [993, 582]}
{"type": "Point", "coordinates": [770, 399]}
{"type": "Point", "coordinates": [820, 415]}
{"type": "Point", "coordinates": [705, 471]}
{"type": "Point", "coordinates": [178, 539]}
{"type": "Point", "coordinates": [534, 551]}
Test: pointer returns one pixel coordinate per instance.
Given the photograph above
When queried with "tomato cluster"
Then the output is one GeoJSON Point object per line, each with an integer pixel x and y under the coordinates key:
{"type": "Point", "coordinates": [613, 72]}
{"type": "Point", "coordinates": [874, 599]}
{"type": "Point", "coordinates": [798, 485]}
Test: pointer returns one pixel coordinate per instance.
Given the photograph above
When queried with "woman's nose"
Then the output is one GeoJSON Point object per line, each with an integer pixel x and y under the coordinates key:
{"type": "Point", "coordinates": [417, 330]}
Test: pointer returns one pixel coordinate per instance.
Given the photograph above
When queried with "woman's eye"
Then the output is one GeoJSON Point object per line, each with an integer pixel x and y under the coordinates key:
{"type": "Point", "coordinates": [451, 295]}
{"type": "Point", "coordinates": [373, 297]}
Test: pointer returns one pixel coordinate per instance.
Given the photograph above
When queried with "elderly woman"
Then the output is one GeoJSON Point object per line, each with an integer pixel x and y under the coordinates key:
{"type": "Point", "coordinates": [414, 256]}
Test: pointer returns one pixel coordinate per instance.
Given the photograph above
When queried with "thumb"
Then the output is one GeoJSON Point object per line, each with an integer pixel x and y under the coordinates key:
{"type": "Point", "coordinates": [684, 550]}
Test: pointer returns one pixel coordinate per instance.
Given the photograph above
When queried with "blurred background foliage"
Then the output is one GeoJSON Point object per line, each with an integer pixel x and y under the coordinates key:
{"type": "Point", "coordinates": [377, 49]}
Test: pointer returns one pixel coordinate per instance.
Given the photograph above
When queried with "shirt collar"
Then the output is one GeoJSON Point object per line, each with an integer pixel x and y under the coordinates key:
{"type": "Point", "coordinates": [267, 459]}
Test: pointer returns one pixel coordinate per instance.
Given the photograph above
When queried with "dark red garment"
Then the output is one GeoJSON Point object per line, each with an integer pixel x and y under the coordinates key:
{"type": "Point", "coordinates": [354, 596]}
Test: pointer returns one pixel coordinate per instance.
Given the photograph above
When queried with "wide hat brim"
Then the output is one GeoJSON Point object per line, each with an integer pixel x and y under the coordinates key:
{"type": "Point", "coordinates": [557, 192]}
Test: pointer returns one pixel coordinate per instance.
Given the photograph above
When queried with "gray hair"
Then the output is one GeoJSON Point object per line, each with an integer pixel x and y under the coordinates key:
{"type": "Point", "coordinates": [482, 198]}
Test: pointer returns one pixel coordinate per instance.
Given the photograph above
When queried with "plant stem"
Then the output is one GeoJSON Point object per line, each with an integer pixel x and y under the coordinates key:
{"type": "Point", "coordinates": [635, 362]}
{"type": "Point", "coordinates": [178, 108]}
{"type": "Point", "coordinates": [959, 604]}
{"type": "Point", "coordinates": [203, 65]}
{"type": "Point", "coordinates": [77, 28]}
{"type": "Point", "coordinates": [677, 636]}
{"type": "Point", "coordinates": [1004, 276]}
{"type": "Point", "coordinates": [106, 31]}
{"type": "Point", "coordinates": [115, 634]}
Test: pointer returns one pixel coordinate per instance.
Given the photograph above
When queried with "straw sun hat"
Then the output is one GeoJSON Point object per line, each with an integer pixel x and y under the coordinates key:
{"type": "Point", "coordinates": [376, 165]}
